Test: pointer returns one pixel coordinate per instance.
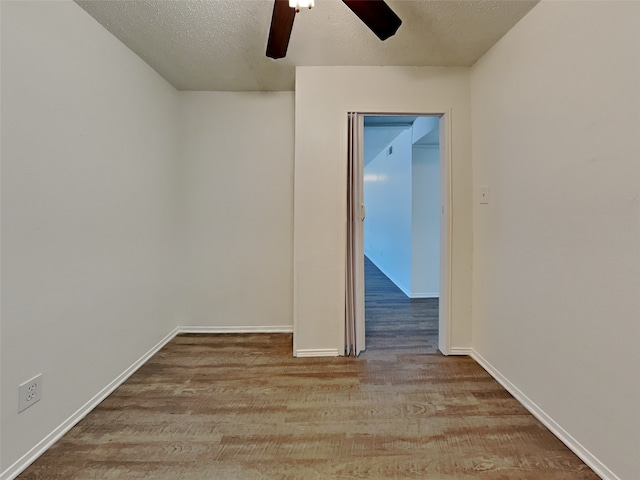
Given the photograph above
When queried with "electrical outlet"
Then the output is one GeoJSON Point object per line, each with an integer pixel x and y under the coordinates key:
{"type": "Point", "coordinates": [29, 392]}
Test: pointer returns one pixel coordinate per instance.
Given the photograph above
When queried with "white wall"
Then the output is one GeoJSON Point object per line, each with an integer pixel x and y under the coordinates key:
{"type": "Point", "coordinates": [323, 97]}
{"type": "Point", "coordinates": [89, 210]}
{"type": "Point", "coordinates": [238, 208]}
{"type": "Point", "coordinates": [556, 123]}
{"type": "Point", "coordinates": [422, 126]}
{"type": "Point", "coordinates": [387, 197]}
{"type": "Point", "coordinates": [425, 214]}
{"type": "Point", "coordinates": [402, 226]}
{"type": "Point", "coordinates": [376, 137]}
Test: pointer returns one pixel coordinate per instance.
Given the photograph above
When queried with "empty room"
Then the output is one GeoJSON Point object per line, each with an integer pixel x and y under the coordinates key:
{"type": "Point", "coordinates": [176, 292]}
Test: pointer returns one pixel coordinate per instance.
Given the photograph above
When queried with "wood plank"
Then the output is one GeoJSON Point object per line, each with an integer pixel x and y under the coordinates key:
{"type": "Point", "coordinates": [232, 406]}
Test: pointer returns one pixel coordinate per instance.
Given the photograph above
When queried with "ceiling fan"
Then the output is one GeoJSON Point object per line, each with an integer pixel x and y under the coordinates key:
{"type": "Point", "coordinates": [375, 14]}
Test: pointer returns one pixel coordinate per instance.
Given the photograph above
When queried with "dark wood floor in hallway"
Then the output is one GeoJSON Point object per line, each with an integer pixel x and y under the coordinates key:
{"type": "Point", "coordinates": [395, 321]}
{"type": "Point", "coordinates": [210, 407]}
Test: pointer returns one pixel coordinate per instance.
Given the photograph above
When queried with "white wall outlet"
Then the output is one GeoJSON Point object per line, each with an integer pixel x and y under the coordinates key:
{"type": "Point", "coordinates": [29, 392]}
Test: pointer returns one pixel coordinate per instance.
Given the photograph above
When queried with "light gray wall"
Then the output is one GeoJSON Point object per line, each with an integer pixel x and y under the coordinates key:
{"type": "Point", "coordinates": [425, 214]}
{"type": "Point", "coordinates": [89, 210]}
{"type": "Point", "coordinates": [388, 224]}
{"type": "Point", "coordinates": [237, 155]}
{"type": "Point", "coordinates": [402, 225]}
{"type": "Point", "coordinates": [127, 209]}
{"type": "Point", "coordinates": [556, 277]}
{"type": "Point", "coordinates": [324, 95]}
{"type": "Point", "coordinates": [377, 137]}
{"type": "Point", "coordinates": [93, 186]}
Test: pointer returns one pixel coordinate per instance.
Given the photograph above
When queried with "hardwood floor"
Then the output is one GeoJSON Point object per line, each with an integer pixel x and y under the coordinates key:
{"type": "Point", "coordinates": [241, 407]}
{"type": "Point", "coordinates": [395, 321]}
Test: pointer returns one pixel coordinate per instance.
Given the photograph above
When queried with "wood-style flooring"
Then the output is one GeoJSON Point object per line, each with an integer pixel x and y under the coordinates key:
{"type": "Point", "coordinates": [210, 407]}
{"type": "Point", "coordinates": [395, 321]}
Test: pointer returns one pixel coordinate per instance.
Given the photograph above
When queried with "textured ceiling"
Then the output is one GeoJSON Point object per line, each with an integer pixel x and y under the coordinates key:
{"type": "Point", "coordinates": [220, 44]}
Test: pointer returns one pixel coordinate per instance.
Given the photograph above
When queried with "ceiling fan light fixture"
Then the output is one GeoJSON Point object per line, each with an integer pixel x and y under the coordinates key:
{"type": "Point", "coordinates": [375, 14]}
{"type": "Point", "coordinates": [298, 4]}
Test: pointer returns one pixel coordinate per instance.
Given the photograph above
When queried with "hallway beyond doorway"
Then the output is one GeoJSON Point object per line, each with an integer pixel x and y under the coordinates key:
{"type": "Point", "coordinates": [395, 321]}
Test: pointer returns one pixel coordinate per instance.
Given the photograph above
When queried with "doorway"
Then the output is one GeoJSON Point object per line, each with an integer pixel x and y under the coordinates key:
{"type": "Point", "coordinates": [399, 257]}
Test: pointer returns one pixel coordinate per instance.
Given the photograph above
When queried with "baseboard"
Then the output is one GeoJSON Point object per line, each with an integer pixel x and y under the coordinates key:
{"type": "Point", "coordinates": [243, 329]}
{"type": "Point", "coordinates": [565, 437]}
{"type": "Point", "coordinates": [317, 352]}
{"type": "Point", "coordinates": [425, 295]}
{"type": "Point", "coordinates": [32, 455]}
{"type": "Point", "coordinates": [460, 351]}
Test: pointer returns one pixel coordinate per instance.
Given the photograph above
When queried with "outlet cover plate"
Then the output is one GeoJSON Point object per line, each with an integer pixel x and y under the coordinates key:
{"type": "Point", "coordinates": [29, 392]}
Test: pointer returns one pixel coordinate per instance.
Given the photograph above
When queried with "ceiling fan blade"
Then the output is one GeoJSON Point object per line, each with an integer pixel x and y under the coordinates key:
{"type": "Point", "coordinates": [280, 31]}
{"type": "Point", "coordinates": [376, 15]}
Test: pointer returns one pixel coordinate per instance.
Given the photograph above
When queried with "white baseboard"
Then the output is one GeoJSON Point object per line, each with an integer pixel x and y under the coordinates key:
{"type": "Point", "coordinates": [28, 458]}
{"type": "Point", "coordinates": [461, 351]}
{"type": "Point", "coordinates": [317, 352]}
{"type": "Point", "coordinates": [244, 329]}
{"type": "Point", "coordinates": [425, 295]}
{"type": "Point", "coordinates": [32, 455]}
{"type": "Point", "coordinates": [565, 437]}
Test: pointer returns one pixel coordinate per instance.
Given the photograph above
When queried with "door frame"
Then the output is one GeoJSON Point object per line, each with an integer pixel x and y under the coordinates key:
{"type": "Point", "coordinates": [446, 234]}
